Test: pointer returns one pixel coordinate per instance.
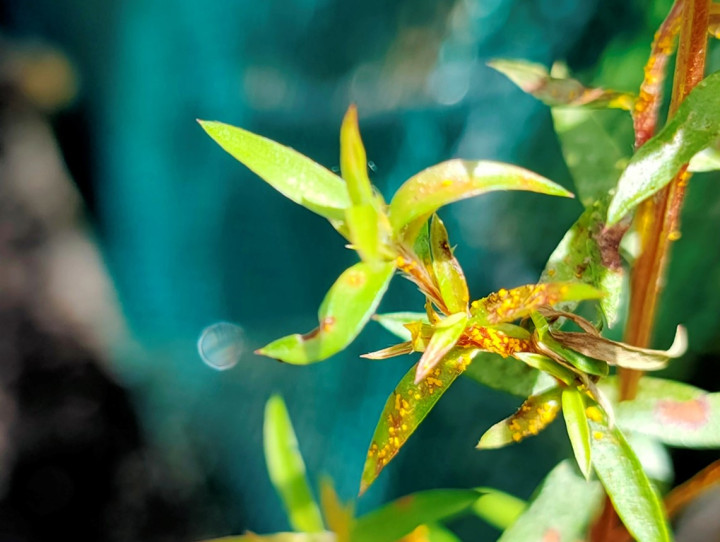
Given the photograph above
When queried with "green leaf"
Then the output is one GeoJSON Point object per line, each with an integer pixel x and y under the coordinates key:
{"type": "Point", "coordinates": [497, 508]}
{"type": "Point", "coordinates": [596, 146]}
{"type": "Point", "coordinates": [548, 366]}
{"type": "Point", "coordinates": [534, 415]}
{"type": "Point", "coordinates": [406, 408]}
{"type": "Point", "coordinates": [345, 310]}
{"type": "Point", "coordinates": [536, 80]}
{"type": "Point", "coordinates": [707, 159]}
{"type": "Point", "coordinates": [363, 226]}
{"type": "Point", "coordinates": [434, 532]}
{"type": "Point", "coordinates": [287, 469]}
{"type": "Point", "coordinates": [589, 254]}
{"type": "Point", "coordinates": [401, 517]}
{"type": "Point", "coordinates": [279, 537]}
{"type": "Point", "coordinates": [339, 517]}
{"type": "Point", "coordinates": [504, 374]}
{"type": "Point", "coordinates": [573, 407]}
{"type": "Point", "coordinates": [292, 174]}
{"type": "Point", "coordinates": [695, 126]}
{"type": "Point", "coordinates": [448, 273]}
{"type": "Point", "coordinates": [446, 335]}
{"type": "Point", "coordinates": [353, 160]}
{"type": "Point", "coordinates": [508, 305]}
{"type": "Point", "coordinates": [674, 413]}
{"type": "Point", "coordinates": [633, 497]}
{"type": "Point", "coordinates": [395, 322]}
{"type": "Point", "coordinates": [561, 509]}
{"type": "Point", "coordinates": [458, 179]}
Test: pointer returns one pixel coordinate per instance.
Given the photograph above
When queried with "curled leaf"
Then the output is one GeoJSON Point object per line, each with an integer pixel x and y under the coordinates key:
{"type": "Point", "coordinates": [446, 335]}
{"type": "Point", "coordinates": [448, 273]}
{"type": "Point", "coordinates": [344, 312]}
{"type": "Point", "coordinates": [407, 407]}
{"type": "Point", "coordinates": [536, 80]}
{"type": "Point", "coordinates": [292, 174]}
{"type": "Point", "coordinates": [534, 415]}
{"type": "Point", "coordinates": [454, 180]}
{"type": "Point", "coordinates": [695, 126]}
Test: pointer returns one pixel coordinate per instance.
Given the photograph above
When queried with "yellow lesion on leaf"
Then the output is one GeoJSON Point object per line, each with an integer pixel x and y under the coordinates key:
{"type": "Point", "coordinates": [493, 340]}
{"type": "Point", "coordinates": [532, 417]}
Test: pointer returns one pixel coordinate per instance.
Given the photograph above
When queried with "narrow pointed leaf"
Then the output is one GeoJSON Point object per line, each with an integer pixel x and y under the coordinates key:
{"type": "Point", "coordinates": [292, 174]}
{"type": "Point", "coordinates": [508, 305]}
{"type": "Point", "coordinates": [345, 310]}
{"type": "Point", "coordinates": [459, 179]}
{"type": "Point", "coordinates": [633, 496]}
{"type": "Point", "coordinates": [536, 80]}
{"type": "Point", "coordinates": [407, 407]}
{"type": "Point", "coordinates": [561, 510]}
{"type": "Point", "coordinates": [338, 516]}
{"type": "Point", "coordinates": [279, 537]}
{"type": "Point", "coordinates": [695, 126]}
{"type": "Point", "coordinates": [395, 322]}
{"type": "Point", "coordinates": [547, 365]}
{"type": "Point", "coordinates": [401, 517]}
{"type": "Point", "coordinates": [446, 335]}
{"type": "Point", "coordinates": [448, 273]}
{"type": "Point", "coordinates": [573, 406]}
{"type": "Point", "coordinates": [674, 413]}
{"type": "Point", "coordinates": [353, 160]}
{"type": "Point", "coordinates": [364, 229]}
{"type": "Point", "coordinates": [590, 253]}
{"type": "Point", "coordinates": [497, 508]}
{"type": "Point", "coordinates": [287, 468]}
{"type": "Point", "coordinates": [391, 351]}
{"type": "Point", "coordinates": [534, 415]}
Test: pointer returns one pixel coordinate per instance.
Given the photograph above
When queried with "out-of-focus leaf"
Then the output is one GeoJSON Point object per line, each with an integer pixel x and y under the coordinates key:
{"type": "Point", "coordinates": [561, 509]}
{"type": "Point", "coordinates": [573, 406]}
{"type": "Point", "coordinates": [707, 159]}
{"type": "Point", "coordinates": [504, 374]}
{"type": "Point", "coordinates": [406, 408]}
{"type": "Point", "coordinates": [686, 493]}
{"type": "Point", "coordinates": [353, 160]}
{"type": "Point", "coordinates": [338, 516]}
{"type": "Point", "coordinates": [435, 532]}
{"type": "Point", "coordinates": [536, 80]}
{"type": "Point", "coordinates": [674, 413]}
{"type": "Point", "coordinates": [279, 537]}
{"type": "Point", "coordinates": [362, 222]}
{"type": "Point", "coordinates": [695, 126]}
{"type": "Point", "coordinates": [497, 508]}
{"type": "Point", "coordinates": [344, 312]}
{"type": "Point", "coordinates": [287, 468]}
{"type": "Point", "coordinates": [395, 322]}
{"type": "Point", "coordinates": [627, 485]}
{"type": "Point", "coordinates": [400, 517]}
{"type": "Point", "coordinates": [294, 175]}
{"type": "Point", "coordinates": [448, 273]}
{"type": "Point", "coordinates": [596, 146]}
{"type": "Point", "coordinates": [508, 305]}
{"type": "Point", "coordinates": [534, 415]}
{"type": "Point", "coordinates": [590, 254]}
{"type": "Point", "coordinates": [459, 179]}
{"type": "Point", "coordinates": [446, 335]}
{"type": "Point", "coordinates": [654, 457]}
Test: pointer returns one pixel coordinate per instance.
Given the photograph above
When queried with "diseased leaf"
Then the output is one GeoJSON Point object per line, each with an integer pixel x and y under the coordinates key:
{"type": "Point", "coordinates": [573, 406]}
{"type": "Point", "coordinates": [401, 517]}
{"type": "Point", "coordinates": [627, 485]}
{"type": "Point", "coordinates": [353, 160]}
{"type": "Point", "coordinates": [448, 273]}
{"type": "Point", "coordinates": [497, 508]}
{"type": "Point", "coordinates": [345, 310]}
{"type": "Point", "coordinates": [674, 413]}
{"type": "Point", "coordinates": [504, 374]}
{"type": "Point", "coordinates": [695, 126]}
{"type": "Point", "coordinates": [561, 510]}
{"type": "Point", "coordinates": [508, 305]}
{"type": "Point", "coordinates": [279, 537]}
{"type": "Point", "coordinates": [596, 146]}
{"type": "Point", "coordinates": [548, 366]}
{"type": "Point", "coordinates": [287, 468]}
{"type": "Point", "coordinates": [536, 80]}
{"type": "Point", "coordinates": [395, 322]}
{"type": "Point", "coordinates": [406, 408]}
{"type": "Point", "coordinates": [590, 253]}
{"type": "Point", "coordinates": [459, 179]}
{"type": "Point", "coordinates": [446, 335]}
{"type": "Point", "coordinates": [292, 174]}
{"type": "Point", "coordinates": [534, 415]}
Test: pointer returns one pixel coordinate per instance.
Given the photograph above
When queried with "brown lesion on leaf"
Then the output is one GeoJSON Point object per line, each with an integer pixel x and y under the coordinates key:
{"type": "Point", "coordinates": [552, 535]}
{"type": "Point", "coordinates": [492, 340]}
{"type": "Point", "coordinates": [608, 241]}
{"type": "Point", "coordinates": [693, 414]}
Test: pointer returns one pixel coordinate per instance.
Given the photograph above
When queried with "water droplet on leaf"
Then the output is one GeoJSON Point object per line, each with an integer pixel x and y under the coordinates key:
{"type": "Point", "coordinates": [373, 167]}
{"type": "Point", "coordinates": [221, 345]}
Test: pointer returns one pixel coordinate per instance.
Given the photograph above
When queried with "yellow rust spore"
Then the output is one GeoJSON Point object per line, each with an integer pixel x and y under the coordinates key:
{"type": "Point", "coordinates": [532, 417]}
{"type": "Point", "coordinates": [355, 279]}
{"type": "Point", "coordinates": [493, 340]}
{"type": "Point", "coordinates": [598, 435]}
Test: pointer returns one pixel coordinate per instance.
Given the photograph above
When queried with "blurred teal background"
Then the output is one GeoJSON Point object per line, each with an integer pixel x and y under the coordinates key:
{"type": "Point", "coordinates": [189, 237]}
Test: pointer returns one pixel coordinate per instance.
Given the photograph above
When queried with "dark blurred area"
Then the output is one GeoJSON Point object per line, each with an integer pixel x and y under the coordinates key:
{"type": "Point", "coordinates": [124, 231]}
